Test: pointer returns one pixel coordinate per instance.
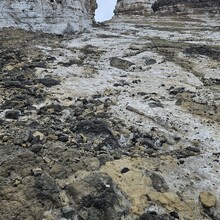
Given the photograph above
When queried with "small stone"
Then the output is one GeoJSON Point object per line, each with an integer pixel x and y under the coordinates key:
{"type": "Point", "coordinates": [36, 148]}
{"type": "Point", "coordinates": [17, 182]}
{"type": "Point", "coordinates": [52, 137]}
{"type": "Point", "coordinates": [37, 171]}
{"type": "Point", "coordinates": [156, 104]}
{"type": "Point", "coordinates": [12, 114]}
{"type": "Point", "coordinates": [150, 61]}
{"type": "Point", "coordinates": [39, 135]}
{"type": "Point", "coordinates": [174, 214]}
{"type": "Point", "coordinates": [120, 63]}
{"type": "Point", "coordinates": [159, 182]}
{"type": "Point", "coordinates": [67, 211]}
{"type": "Point", "coordinates": [49, 82]}
{"type": "Point", "coordinates": [207, 199]}
{"type": "Point", "coordinates": [125, 170]}
{"type": "Point", "coordinates": [5, 138]}
{"type": "Point", "coordinates": [63, 138]}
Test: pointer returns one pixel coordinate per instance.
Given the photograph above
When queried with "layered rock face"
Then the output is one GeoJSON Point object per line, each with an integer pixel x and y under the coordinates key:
{"type": "Point", "coordinates": [53, 16]}
{"type": "Point", "coordinates": [134, 6]}
{"type": "Point", "coordinates": [186, 6]}
{"type": "Point", "coordinates": [150, 6]}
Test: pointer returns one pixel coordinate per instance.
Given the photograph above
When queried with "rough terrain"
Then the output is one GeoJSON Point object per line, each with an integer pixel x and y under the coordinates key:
{"type": "Point", "coordinates": [121, 121]}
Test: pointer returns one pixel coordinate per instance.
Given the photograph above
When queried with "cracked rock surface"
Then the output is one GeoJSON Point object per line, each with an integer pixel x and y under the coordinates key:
{"type": "Point", "coordinates": [118, 122]}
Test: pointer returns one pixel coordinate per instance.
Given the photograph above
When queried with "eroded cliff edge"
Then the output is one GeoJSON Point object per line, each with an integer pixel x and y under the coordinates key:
{"type": "Point", "coordinates": [71, 16]}
{"type": "Point", "coordinates": [53, 16]}
{"type": "Point", "coordinates": [166, 6]}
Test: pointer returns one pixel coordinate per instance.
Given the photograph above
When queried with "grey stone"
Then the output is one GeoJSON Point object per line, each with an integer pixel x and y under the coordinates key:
{"type": "Point", "coordinates": [68, 211]}
{"type": "Point", "coordinates": [159, 182]}
{"type": "Point", "coordinates": [12, 114]}
{"type": "Point", "coordinates": [120, 63]}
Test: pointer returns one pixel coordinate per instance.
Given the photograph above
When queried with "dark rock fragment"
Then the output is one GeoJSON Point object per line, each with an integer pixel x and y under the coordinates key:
{"type": "Point", "coordinates": [97, 198]}
{"type": "Point", "coordinates": [159, 182]}
{"type": "Point", "coordinates": [174, 214]}
{"type": "Point", "coordinates": [63, 138]}
{"type": "Point", "coordinates": [96, 129]}
{"type": "Point", "coordinates": [21, 136]}
{"type": "Point", "coordinates": [187, 152]}
{"type": "Point", "coordinates": [36, 148]}
{"type": "Point", "coordinates": [125, 170]}
{"type": "Point", "coordinates": [120, 63]}
{"type": "Point", "coordinates": [49, 82]}
{"type": "Point", "coordinates": [150, 143]}
{"type": "Point", "coordinates": [156, 104]}
{"type": "Point", "coordinates": [204, 50]}
{"type": "Point", "coordinates": [150, 61]}
{"type": "Point", "coordinates": [68, 212]}
{"type": "Point", "coordinates": [46, 188]}
{"type": "Point", "coordinates": [16, 84]}
{"type": "Point", "coordinates": [93, 126]}
{"type": "Point", "coordinates": [52, 108]}
{"type": "Point", "coordinates": [193, 149]}
{"type": "Point", "coordinates": [154, 216]}
{"type": "Point", "coordinates": [175, 91]}
{"type": "Point", "coordinates": [179, 101]}
{"type": "Point", "coordinates": [121, 83]}
{"type": "Point", "coordinates": [12, 114]}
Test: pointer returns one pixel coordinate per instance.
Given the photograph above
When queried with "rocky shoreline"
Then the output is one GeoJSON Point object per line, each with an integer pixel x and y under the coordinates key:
{"type": "Point", "coordinates": [120, 121]}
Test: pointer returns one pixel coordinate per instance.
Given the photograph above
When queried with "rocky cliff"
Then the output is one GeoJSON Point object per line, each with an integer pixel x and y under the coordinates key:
{"type": "Point", "coordinates": [61, 17]}
{"type": "Point", "coordinates": [134, 6]}
{"type": "Point", "coordinates": [54, 16]}
{"type": "Point", "coordinates": [186, 6]}
{"type": "Point", "coordinates": [165, 6]}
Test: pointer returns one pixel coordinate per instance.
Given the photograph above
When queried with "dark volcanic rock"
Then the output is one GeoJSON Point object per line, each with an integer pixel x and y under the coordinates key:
{"type": "Point", "coordinates": [17, 84]}
{"type": "Point", "coordinates": [155, 216]}
{"type": "Point", "coordinates": [52, 108]}
{"type": "Point", "coordinates": [150, 61]}
{"type": "Point", "coordinates": [12, 114]}
{"type": "Point", "coordinates": [120, 63]}
{"type": "Point", "coordinates": [96, 197]}
{"type": "Point", "coordinates": [159, 182]}
{"type": "Point", "coordinates": [68, 211]}
{"type": "Point", "coordinates": [46, 188]}
{"type": "Point", "coordinates": [49, 82]}
{"type": "Point", "coordinates": [97, 130]}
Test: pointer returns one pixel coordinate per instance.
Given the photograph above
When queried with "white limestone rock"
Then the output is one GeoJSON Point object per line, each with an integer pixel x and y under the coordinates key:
{"type": "Point", "coordinates": [143, 7]}
{"type": "Point", "coordinates": [52, 16]}
{"type": "Point", "coordinates": [134, 6]}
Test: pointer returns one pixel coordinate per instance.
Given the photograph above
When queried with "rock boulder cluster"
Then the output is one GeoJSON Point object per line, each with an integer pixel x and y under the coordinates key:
{"type": "Point", "coordinates": [118, 122]}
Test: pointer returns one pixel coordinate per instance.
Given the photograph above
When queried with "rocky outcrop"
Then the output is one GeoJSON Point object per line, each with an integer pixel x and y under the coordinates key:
{"type": "Point", "coordinates": [134, 6]}
{"type": "Point", "coordinates": [165, 6]}
{"type": "Point", "coordinates": [186, 6]}
{"type": "Point", "coordinates": [53, 16]}
{"type": "Point", "coordinates": [121, 122]}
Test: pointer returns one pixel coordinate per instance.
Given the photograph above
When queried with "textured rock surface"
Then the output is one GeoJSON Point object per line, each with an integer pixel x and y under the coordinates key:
{"type": "Point", "coordinates": [166, 6]}
{"type": "Point", "coordinates": [207, 199]}
{"type": "Point", "coordinates": [134, 6]}
{"type": "Point", "coordinates": [191, 6]}
{"type": "Point", "coordinates": [119, 122]}
{"type": "Point", "coordinates": [54, 16]}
